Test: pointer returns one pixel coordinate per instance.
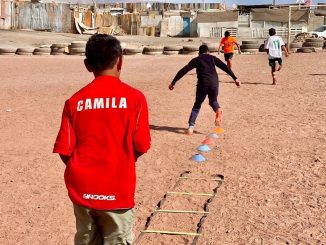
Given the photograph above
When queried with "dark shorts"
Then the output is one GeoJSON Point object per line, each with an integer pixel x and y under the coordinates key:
{"type": "Point", "coordinates": [272, 62]}
{"type": "Point", "coordinates": [228, 56]}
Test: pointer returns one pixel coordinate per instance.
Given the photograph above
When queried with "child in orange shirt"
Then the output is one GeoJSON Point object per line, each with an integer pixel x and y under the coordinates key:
{"type": "Point", "coordinates": [228, 42]}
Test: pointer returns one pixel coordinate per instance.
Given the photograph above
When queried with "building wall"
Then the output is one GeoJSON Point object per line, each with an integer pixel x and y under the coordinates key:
{"type": "Point", "coordinates": [315, 22]}
{"type": "Point", "coordinates": [205, 29]}
{"type": "Point", "coordinates": [5, 14]}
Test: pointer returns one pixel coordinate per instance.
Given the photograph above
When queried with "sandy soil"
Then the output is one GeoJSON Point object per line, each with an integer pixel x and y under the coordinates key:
{"type": "Point", "coordinates": [273, 155]}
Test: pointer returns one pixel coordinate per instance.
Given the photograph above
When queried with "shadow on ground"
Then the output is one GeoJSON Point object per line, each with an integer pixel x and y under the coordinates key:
{"type": "Point", "coordinates": [170, 129]}
{"type": "Point", "coordinates": [248, 83]}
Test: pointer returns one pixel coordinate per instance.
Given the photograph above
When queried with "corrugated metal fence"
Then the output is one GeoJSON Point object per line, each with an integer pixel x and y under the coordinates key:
{"type": "Point", "coordinates": [40, 16]}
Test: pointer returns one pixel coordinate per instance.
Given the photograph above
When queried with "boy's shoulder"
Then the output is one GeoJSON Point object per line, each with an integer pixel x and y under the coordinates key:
{"type": "Point", "coordinates": [92, 86]}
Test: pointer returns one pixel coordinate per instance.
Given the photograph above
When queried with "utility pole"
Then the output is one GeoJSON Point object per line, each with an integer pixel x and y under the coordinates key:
{"type": "Point", "coordinates": [274, 2]}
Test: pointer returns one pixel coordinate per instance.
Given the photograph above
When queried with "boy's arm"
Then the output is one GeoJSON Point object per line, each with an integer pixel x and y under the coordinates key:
{"type": "Point", "coordinates": [65, 141]}
{"type": "Point", "coordinates": [219, 48]}
{"type": "Point", "coordinates": [141, 137]}
{"type": "Point", "coordinates": [181, 73]}
{"type": "Point", "coordinates": [285, 50]}
{"type": "Point", "coordinates": [220, 64]}
{"type": "Point", "coordinates": [238, 45]}
{"type": "Point", "coordinates": [266, 45]}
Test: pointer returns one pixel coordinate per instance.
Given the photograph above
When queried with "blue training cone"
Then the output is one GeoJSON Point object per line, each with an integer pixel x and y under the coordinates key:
{"type": "Point", "coordinates": [203, 148]}
{"type": "Point", "coordinates": [198, 158]}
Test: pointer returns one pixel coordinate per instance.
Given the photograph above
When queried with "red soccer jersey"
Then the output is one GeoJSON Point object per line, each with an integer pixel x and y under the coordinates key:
{"type": "Point", "coordinates": [104, 127]}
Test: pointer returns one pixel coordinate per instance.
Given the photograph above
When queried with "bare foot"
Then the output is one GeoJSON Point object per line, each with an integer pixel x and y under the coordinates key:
{"type": "Point", "coordinates": [279, 68]}
{"type": "Point", "coordinates": [190, 131]}
{"type": "Point", "coordinates": [218, 118]}
{"type": "Point", "coordinates": [274, 80]}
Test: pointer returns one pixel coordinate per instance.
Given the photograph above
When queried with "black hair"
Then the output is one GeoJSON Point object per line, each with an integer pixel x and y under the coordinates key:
{"type": "Point", "coordinates": [227, 34]}
{"type": "Point", "coordinates": [203, 49]}
{"type": "Point", "coordinates": [102, 51]}
{"type": "Point", "coordinates": [272, 32]}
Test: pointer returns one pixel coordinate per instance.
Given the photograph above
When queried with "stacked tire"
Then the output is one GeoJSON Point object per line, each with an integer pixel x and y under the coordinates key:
{"type": "Point", "coordinates": [190, 49]}
{"type": "Point", "coordinates": [250, 46]}
{"type": "Point", "coordinates": [77, 48]}
{"type": "Point", "coordinates": [171, 50]}
{"type": "Point", "coordinates": [43, 51]}
{"type": "Point", "coordinates": [25, 51]}
{"type": "Point", "coordinates": [295, 46]}
{"type": "Point", "coordinates": [315, 44]}
{"type": "Point", "coordinates": [133, 50]}
{"type": "Point", "coordinates": [153, 50]}
{"type": "Point", "coordinates": [59, 48]}
{"type": "Point", "coordinates": [305, 50]}
{"type": "Point", "coordinates": [8, 51]}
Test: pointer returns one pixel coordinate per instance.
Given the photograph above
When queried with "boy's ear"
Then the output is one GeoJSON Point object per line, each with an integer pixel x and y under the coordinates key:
{"type": "Point", "coordinates": [119, 63]}
{"type": "Point", "coordinates": [88, 67]}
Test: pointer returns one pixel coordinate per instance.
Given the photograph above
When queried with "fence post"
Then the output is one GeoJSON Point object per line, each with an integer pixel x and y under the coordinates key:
{"type": "Point", "coordinates": [289, 29]}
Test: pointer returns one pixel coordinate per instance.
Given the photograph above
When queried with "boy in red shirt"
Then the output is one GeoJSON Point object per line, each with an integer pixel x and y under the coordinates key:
{"type": "Point", "coordinates": [104, 130]}
{"type": "Point", "coordinates": [228, 42]}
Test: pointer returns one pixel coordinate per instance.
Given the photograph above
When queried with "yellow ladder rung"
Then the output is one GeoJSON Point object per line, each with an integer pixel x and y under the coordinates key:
{"type": "Point", "coordinates": [180, 211]}
{"type": "Point", "coordinates": [171, 232]}
{"type": "Point", "coordinates": [190, 193]}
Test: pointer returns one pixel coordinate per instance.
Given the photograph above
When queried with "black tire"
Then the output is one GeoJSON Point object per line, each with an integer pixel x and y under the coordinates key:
{"type": "Point", "coordinates": [249, 50]}
{"type": "Point", "coordinates": [315, 40]}
{"type": "Point", "coordinates": [59, 45]}
{"type": "Point", "coordinates": [293, 50]}
{"type": "Point", "coordinates": [171, 52]}
{"type": "Point", "coordinates": [23, 53]}
{"type": "Point", "coordinates": [154, 53]}
{"type": "Point", "coordinates": [133, 51]}
{"type": "Point", "coordinates": [153, 49]}
{"type": "Point", "coordinates": [8, 50]}
{"type": "Point", "coordinates": [25, 50]}
{"type": "Point", "coordinates": [172, 48]}
{"type": "Point", "coordinates": [56, 53]}
{"type": "Point", "coordinates": [76, 50]}
{"type": "Point", "coordinates": [190, 52]}
{"type": "Point", "coordinates": [41, 53]}
{"type": "Point", "coordinates": [190, 48]}
{"type": "Point", "coordinates": [58, 50]}
{"type": "Point", "coordinates": [78, 44]}
{"type": "Point", "coordinates": [296, 45]}
{"type": "Point", "coordinates": [250, 42]}
{"type": "Point", "coordinates": [304, 50]}
{"type": "Point", "coordinates": [313, 44]}
{"type": "Point", "coordinates": [250, 46]}
{"type": "Point", "coordinates": [42, 50]}
{"type": "Point", "coordinates": [261, 48]}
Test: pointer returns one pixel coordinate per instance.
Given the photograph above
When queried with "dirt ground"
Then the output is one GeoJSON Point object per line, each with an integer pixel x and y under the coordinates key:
{"type": "Point", "coordinates": [273, 155]}
{"type": "Point", "coordinates": [23, 38]}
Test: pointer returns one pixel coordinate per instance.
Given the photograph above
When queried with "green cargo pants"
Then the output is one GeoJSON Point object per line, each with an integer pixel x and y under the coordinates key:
{"type": "Point", "coordinates": [100, 227]}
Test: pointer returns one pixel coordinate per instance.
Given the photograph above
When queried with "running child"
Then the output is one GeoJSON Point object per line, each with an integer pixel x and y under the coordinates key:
{"type": "Point", "coordinates": [274, 46]}
{"type": "Point", "coordinates": [228, 42]}
{"type": "Point", "coordinates": [207, 83]}
{"type": "Point", "coordinates": [104, 129]}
